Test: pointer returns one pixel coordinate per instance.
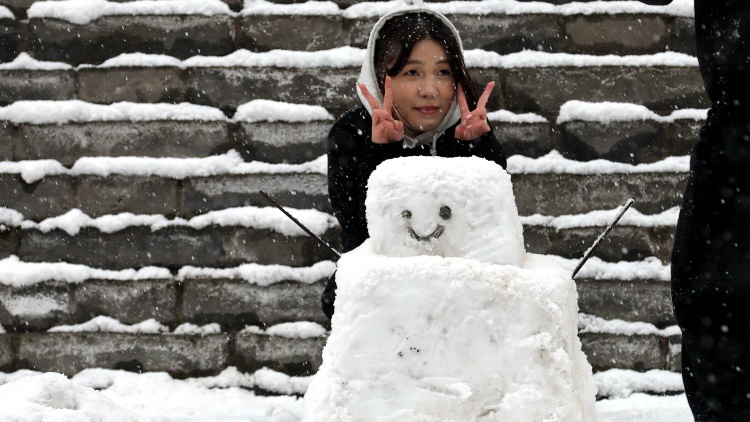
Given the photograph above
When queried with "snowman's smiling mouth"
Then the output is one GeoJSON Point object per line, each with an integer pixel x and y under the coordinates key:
{"type": "Point", "coordinates": [434, 235]}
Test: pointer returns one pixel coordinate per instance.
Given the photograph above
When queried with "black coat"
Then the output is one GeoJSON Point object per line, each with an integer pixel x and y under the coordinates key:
{"type": "Point", "coordinates": [352, 157]}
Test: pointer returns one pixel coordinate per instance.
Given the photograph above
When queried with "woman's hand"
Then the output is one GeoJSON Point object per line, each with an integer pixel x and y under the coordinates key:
{"type": "Point", "coordinates": [385, 128]}
{"type": "Point", "coordinates": [473, 123]}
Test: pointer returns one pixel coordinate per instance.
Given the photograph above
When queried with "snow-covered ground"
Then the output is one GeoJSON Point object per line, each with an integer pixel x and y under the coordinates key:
{"type": "Point", "coordinates": [158, 397]}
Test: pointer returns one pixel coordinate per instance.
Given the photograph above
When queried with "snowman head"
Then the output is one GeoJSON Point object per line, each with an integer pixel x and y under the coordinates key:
{"type": "Point", "coordinates": [451, 207]}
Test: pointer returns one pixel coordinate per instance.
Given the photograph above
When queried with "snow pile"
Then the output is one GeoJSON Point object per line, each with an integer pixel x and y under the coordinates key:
{"type": "Point", "coordinates": [603, 217]}
{"type": "Point", "coordinates": [110, 325]}
{"type": "Point", "coordinates": [649, 268]}
{"type": "Point", "coordinates": [435, 338]}
{"type": "Point", "coordinates": [621, 383]}
{"type": "Point", "coordinates": [593, 324]}
{"type": "Point", "coordinates": [489, 59]}
{"type": "Point", "coordinates": [309, 8]}
{"type": "Point", "coordinates": [58, 112]}
{"type": "Point", "coordinates": [5, 13]}
{"type": "Point", "coordinates": [2, 330]}
{"type": "Point", "coordinates": [510, 117]}
{"type": "Point", "coordinates": [554, 162]}
{"type": "Point", "coordinates": [82, 12]}
{"type": "Point", "coordinates": [336, 58]}
{"type": "Point", "coordinates": [24, 61]}
{"type": "Point", "coordinates": [608, 112]}
{"type": "Point", "coordinates": [300, 330]}
{"type": "Point", "coordinates": [53, 397]}
{"type": "Point", "coordinates": [449, 207]}
{"type": "Point", "coordinates": [263, 275]}
{"type": "Point", "coordinates": [276, 111]}
{"type": "Point", "coordinates": [192, 329]}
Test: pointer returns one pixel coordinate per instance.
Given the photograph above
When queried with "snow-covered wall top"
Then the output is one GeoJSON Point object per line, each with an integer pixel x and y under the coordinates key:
{"type": "Point", "coordinates": [554, 162]}
{"type": "Point", "coordinates": [275, 111]}
{"type": "Point", "coordinates": [25, 61]}
{"type": "Point", "coordinates": [84, 11]}
{"type": "Point", "coordinates": [263, 275]}
{"type": "Point", "coordinates": [608, 112]}
{"type": "Point", "coordinates": [301, 330]}
{"type": "Point", "coordinates": [507, 7]}
{"type": "Point", "coordinates": [5, 13]}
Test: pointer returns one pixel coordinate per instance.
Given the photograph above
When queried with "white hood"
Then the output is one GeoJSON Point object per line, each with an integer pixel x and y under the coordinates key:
{"type": "Point", "coordinates": [368, 77]}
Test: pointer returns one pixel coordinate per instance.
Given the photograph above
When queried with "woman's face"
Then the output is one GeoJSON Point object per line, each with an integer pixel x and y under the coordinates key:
{"type": "Point", "coordinates": [424, 89]}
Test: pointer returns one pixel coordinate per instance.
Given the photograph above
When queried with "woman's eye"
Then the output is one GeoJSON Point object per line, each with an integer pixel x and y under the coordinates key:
{"type": "Point", "coordinates": [411, 72]}
{"type": "Point", "coordinates": [444, 72]}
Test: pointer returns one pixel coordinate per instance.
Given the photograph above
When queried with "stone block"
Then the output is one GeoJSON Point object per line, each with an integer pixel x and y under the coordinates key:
{"type": "Point", "coordinates": [70, 353]}
{"type": "Point", "coordinates": [69, 142]}
{"type": "Point", "coordinates": [527, 139]}
{"type": "Point", "coordinates": [25, 84]}
{"type": "Point", "coordinates": [267, 247]}
{"type": "Point", "coordinates": [48, 197]}
{"type": "Point", "coordinates": [295, 190]}
{"type": "Point", "coordinates": [134, 247]}
{"type": "Point", "coordinates": [129, 302]}
{"type": "Point", "coordinates": [684, 135]}
{"type": "Point", "coordinates": [7, 140]}
{"type": "Point", "coordinates": [8, 241]}
{"type": "Point", "coordinates": [561, 194]}
{"type": "Point", "coordinates": [632, 142]}
{"type": "Point", "coordinates": [359, 29]}
{"type": "Point", "coordinates": [624, 243]}
{"type": "Point", "coordinates": [658, 88]}
{"type": "Point", "coordinates": [506, 34]}
{"type": "Point", "coordinates": [292, 356]}
{"type": "Point", "coordinates": [9, 39]}
{"type": "Point", "coordinates": [97, 195]}
{"type": "Point", "coordinates": [683, 36]}
{"type": "Point", "coordinates": [7, 353]}
{"type": "Point", "coordinates": [238, 303]}
{"type": "Point", "coordinates": [629, 300]}
{"type": "Point", "coordinates": [133, 84]}
{"type": "Point", "coordinates": [35, 307]}
{"type": "Point", "coordinates": [620, 34]}
{"type": "Point", "coordinates": [282, 142]}
{"type": "Point", "coordinates": [609, 351]}
{"type": "Point", "coordinates": [272, 32]}
{"type": "Point", "coordinates": [180, 36]}
{"type": "Point", "coordinates": [227, 88]}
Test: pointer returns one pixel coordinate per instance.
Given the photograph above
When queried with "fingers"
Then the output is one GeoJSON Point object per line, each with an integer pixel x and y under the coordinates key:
{"type": "Point", "coordinates": [462, 105]}
{"type": "Point", "coordinates": [482, 102]}
{"type": "Point", "coordinates": [388, 96]}
{"type": "Point", "coordinates": [369, 97]}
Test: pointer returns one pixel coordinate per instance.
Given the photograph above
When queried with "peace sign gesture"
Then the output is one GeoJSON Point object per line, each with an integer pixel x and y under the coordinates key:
{"type": "Point", "coordinates": [473, 123]}
{"type": "Point", "coordinates": [384, 127]}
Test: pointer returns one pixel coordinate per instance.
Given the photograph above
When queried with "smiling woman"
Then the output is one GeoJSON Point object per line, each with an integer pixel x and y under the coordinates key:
{"type": "Point", "coordinates": [417, 99]}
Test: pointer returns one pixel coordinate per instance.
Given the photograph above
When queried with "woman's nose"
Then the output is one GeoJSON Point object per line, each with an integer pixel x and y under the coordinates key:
{"type": "Point", "coordinates": [428, 88]}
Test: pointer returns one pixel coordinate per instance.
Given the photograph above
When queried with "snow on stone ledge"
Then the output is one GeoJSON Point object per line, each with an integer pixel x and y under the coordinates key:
{"type": "Point", "coordinates": [528, 58]}
{"type": "Point", "coordinates": [335, 58]}
{"type": "Point", "coordinates": [254, 217]}
{"type": "Point", "coordinates": [650, 268]}
{"type": "Point", "coordinates": [608, 112]}
{"type": "Point", "coordinates": [276, 111]}
{"type": "Point", "coordinates": [554, 162]}
{"type": "Point", "coordinates": [277, 382]}
{"type": "Point", "coordinates": [57, 112]}
{"type": "Point", "coordinates": [295, 330]}
{"type": "Point", "coordinates": [192, 329]}
{"type": "Point", "coordinates": [10, 217]}
{"type": "Point", "coordinates": [621, 383]}
{"type": "Point", "coordinates": [506, 116]}
{"type": "Point", "coordinates": [263, 275]}
{"type": "Point", "coordinates": [602, 218]}
{"type": "Point", "coordinates": [16, 273]}
{"type": "Point", "coordinates": [309, 8]}
{"type": "Point", "coordinates": [84, 11]}
{"type": "Point", "coordinates": [107, 324]}
{"type": "Point", "coordinates": [593, 324]}
{"type": "Point", "coordinates": [33, 170]}
{"type": "Point", "coordinates": [24, 61]}
{"type": "Point", "coordinates": [2, 331]}
{"type": "Point", "coordinates": [137, 60]}
{"type": "Point", "coordinates": [5, 13]}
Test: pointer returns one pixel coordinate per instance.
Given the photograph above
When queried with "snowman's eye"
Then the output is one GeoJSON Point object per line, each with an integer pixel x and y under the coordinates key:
{"type": "Point", "coordinates": [406, 214]}
{"type": "Point", "coordinates": [445, 212]}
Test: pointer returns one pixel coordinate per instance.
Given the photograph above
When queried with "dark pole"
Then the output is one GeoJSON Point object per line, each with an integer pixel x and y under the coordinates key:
{"type": "Point", "coordinates": [302, 226]}
{"type": "Point", "coordinates": [601, 237]}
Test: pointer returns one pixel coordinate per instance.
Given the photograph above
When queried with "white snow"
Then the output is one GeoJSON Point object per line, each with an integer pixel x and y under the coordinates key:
{"type": "Point", "coordinates": [482, 221]}
{"type": "Point", "coordinates": [334, 58]}
{"type": "Point", "coordinates": [261, 218]}
{"type": "Point", "coordinates": [33, 170]}
{"type": "Point", "coordinates": [554, 162]}
{"type": "Point", "coordinates": [137, 60]}
{"type": "Point", "coordinates": [490, 59]}
{"type": "Point", "coordinates": [622, 383]}
{"type": "Point", "coordinates": [603, 218]}
{"type": "Point", "coordinates": [608, 112]}
{"type": "Point", "coordinates": [510, 117]}
{"type": "Point", "coordinates": [85, 11]}
{"type": "Point", "coordinates": [309, 8]}
{"type": "Point", "coordinates": [25, 61]}
{"type": "Point", "coordinates": [107, 324]}
{"type": "Point", "coordinates": [2, 330]}
{"type": "Point", "coordinates": [299, 330]}
{"type": "Point", "coordinates": [650, 268]}
{"type": "Point", "coordinates": [276, 111]}
{"type": "Point", "coordinates": [263, 275]}
{"type": "Point", "coordinates": [593, 324]}
{"type": "Point", "coordinates": [10, 217]}
{"type": "Point", "coordinates": [192, 329]}
{"type": "Point", "coordinates": [58, 112]}
{"type": "Point", "coordinates": [17, 273]}
{"type": "Point", "coordinates": [5, 13]}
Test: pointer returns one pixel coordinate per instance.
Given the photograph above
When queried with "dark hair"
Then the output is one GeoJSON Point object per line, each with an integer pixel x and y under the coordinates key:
{"type": "Point", "coordinates": [397, 38]}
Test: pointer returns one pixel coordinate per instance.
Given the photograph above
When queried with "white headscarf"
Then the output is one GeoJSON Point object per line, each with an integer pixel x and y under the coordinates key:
{"type": "Point", "coordinates": [368, 77]}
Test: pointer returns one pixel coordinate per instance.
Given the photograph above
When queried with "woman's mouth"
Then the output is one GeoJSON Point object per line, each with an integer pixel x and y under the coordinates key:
{"type": "Point", "coordinates": [427, 111]}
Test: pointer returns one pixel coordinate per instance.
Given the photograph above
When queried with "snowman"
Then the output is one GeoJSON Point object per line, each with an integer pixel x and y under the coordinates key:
{"type": "Point", "coordinates": [442, 316]}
